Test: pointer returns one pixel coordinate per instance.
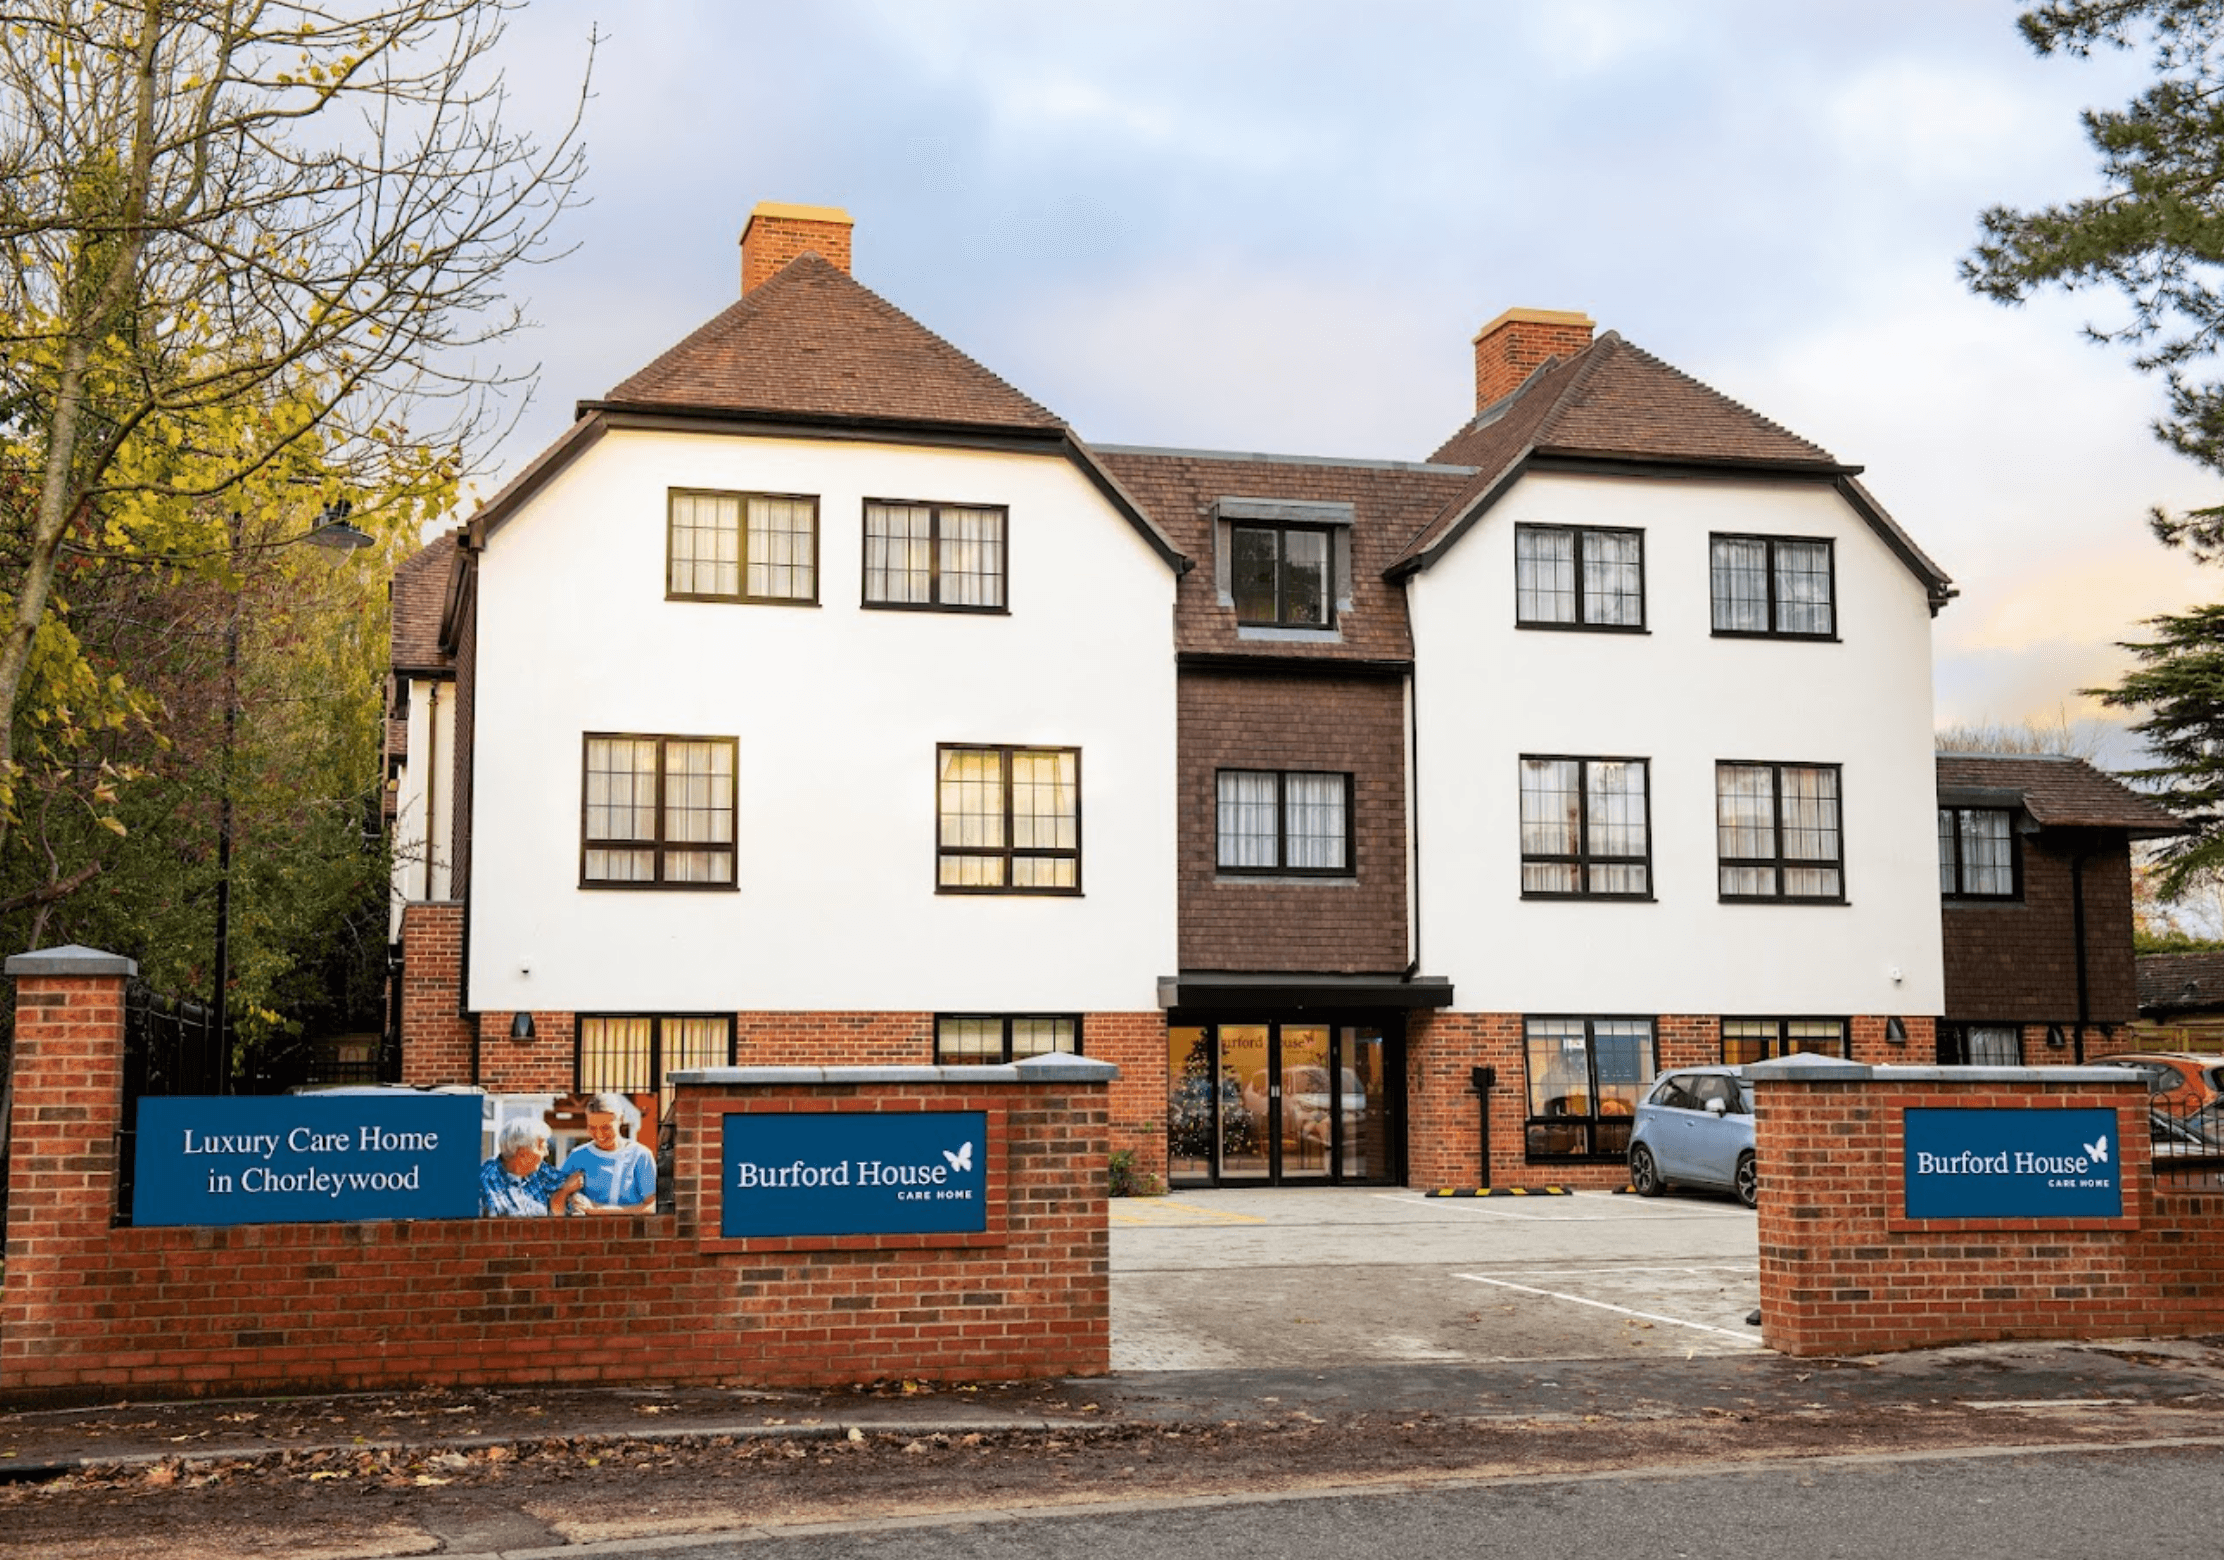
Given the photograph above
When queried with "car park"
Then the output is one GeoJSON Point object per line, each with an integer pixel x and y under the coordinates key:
{"type": "Point", "coordinates": [1695, 1128]}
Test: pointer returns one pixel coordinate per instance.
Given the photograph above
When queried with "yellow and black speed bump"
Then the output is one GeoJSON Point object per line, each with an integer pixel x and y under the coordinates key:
{"type": "Point", "coordinates": [1500, 1191]}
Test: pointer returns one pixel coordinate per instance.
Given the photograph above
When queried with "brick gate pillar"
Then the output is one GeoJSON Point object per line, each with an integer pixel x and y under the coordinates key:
{"type": "Point", "coordinates": [67, 1105]}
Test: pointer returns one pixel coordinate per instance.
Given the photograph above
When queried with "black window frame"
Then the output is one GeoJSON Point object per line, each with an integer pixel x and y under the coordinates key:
{"type": "Point", "coordinates": [656, 1058]}
{"type": "Point", "coordinates": [1579, 623]}
{"type": "Point", "coordinates": [661, 846]}
{"type": "Point", "coordinates": [1350, 868]}
{"type": "Point", "coordinates": [1612, 1147]}
{"type": "Point", "coordinates": [1007, 851]}
{"type": "Point", "coordinates": [1960, 892]}
{"type": "Point", "coordinates": [1281, 530]}
{"type": "Point", "coordinates": [1953, 1042]}
{"type": "Point", "coordinates": [1829, 546]}
{"type": "Point", "coordinates": [1002, 606]}
{"type": "Point", "coordinates": [1779, 862]}
{"type": "Point", "coordinates": [1584, 858]}
{"type": "Point", "coordinates": [742, 592]}
{"type": "Point", "coordinates": [1006, 1021]}
{"type": "Point", "coordinates": [1775, 1045]}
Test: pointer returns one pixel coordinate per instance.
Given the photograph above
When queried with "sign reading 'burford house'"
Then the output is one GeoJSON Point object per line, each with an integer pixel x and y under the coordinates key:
{"type": "Point", "coordinates": [2012, 1164]}
{"type": "Point", "coordinates": [855, 1173]}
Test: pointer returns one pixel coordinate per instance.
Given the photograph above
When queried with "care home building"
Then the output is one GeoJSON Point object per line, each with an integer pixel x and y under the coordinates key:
{"type": "Point", "coordinates": [819, 697]}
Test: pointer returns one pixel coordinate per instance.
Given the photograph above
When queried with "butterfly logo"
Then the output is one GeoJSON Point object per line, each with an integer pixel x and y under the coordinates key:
{"type": "Point", "coordinates": [2096, 1151]}
{"type": "Point", "coordinates": [962, 1160]}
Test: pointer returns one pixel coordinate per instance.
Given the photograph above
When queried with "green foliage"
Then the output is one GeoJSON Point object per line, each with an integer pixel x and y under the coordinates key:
{"type": "Point", "coordinates": [2173, 941]}
{"type": "Point", "coordinates": [2155, 234]}
{"type": "Point", "coordinates": [2179, 683]}
{"type": "Point", "coordinates": [1127, 1181]}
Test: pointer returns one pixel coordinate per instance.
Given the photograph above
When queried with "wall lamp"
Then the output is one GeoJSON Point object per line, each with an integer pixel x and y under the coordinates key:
{"type": "Point", "coordinates": [1895, 1032]}
{"type": "Point", "coordinates": [521, 1026]}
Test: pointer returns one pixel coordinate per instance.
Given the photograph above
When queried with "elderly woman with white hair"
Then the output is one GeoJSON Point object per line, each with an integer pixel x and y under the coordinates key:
{"type": "Point", "coordinates": [621, 1174]}
{"type": "Point", "coordinates": [517, 1182]}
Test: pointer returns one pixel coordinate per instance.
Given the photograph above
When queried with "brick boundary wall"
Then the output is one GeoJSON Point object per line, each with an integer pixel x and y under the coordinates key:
{"type": "Point", "coordinates": [1844, 1272]}
{"type": "Point", "coordinates": [89, 1310]}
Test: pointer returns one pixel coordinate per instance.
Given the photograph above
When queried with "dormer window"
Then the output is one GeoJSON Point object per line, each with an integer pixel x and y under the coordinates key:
{"type": "Point", "coordinates": [1284, 565]}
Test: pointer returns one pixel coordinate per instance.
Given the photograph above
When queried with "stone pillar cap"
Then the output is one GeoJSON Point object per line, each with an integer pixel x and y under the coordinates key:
{"type": "Point", "coordinates": [72, 960]}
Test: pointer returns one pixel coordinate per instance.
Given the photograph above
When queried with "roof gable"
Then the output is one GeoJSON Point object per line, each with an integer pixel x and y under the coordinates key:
{"type": "Point", "coordinates": [418, 597]}
{"type": "Point", "coordinates": [814, 344]}
{"type": "Point", "coordinates": [2057, 791]}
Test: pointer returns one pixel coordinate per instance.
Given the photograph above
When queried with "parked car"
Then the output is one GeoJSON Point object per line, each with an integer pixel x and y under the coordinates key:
{"type": "Point", "coordinates": [1696, 1129]}
{"type": "Point", "coordinates": [2181, 1082]}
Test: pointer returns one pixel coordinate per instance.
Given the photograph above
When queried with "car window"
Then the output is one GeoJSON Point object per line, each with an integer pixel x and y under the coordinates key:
{"type": "Point", "coordinates": [1715, 1086]}
{"type": "Point", "coordinates": [1675, 1092]}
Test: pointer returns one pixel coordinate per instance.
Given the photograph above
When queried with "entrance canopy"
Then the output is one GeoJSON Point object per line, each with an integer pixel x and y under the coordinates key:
{"type": "Point", "coordinates": [1203, 992]}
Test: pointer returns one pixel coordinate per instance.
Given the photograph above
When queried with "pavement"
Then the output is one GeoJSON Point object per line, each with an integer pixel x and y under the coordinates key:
{"type": "Point", "coordinates": [1238, 1308]}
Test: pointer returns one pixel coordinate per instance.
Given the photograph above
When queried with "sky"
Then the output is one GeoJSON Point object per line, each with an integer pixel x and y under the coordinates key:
{"type": "Point", "coordinates": [1277, 226]}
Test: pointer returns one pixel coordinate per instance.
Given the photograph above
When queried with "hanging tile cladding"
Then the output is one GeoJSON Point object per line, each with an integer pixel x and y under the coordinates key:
{"type": "Point", "coordinates": [1389, 504]}
{"type": "Point", "coordinates": [2018, 960]}
{"type": "Point", "coordinates": [1286, 721]}
{"type": "Point", "coordinates": [418, 594]}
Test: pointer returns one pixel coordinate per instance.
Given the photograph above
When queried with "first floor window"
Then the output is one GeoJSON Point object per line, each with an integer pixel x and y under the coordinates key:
{"type": "Point", "coordinates": [1758, 1039]}
{"type": "Point", "coordinates": [658, 812]}
{"type": "Point", "coordinates": [1586, 1076]}
{"type": "Point", "coordinates": [961, 1038]}
{"type": "Point", "coordinates": [947, 556]}
{"type": "Point", "coordinates": [1980, 1045]}
{"type": "Point", "coordinates": [1777, 831]}
{"type": "Point", "coordinates": [636, 1053]}
{"type": "Point", "coordinates": [1578, 578]}
{"type": "Point", "coordinates": [743, 547]}
{"type": "Point", "coordinates": [1008, 820]}
{"type": "Point", "coordinates": [1585, 829]}
{"type": "Point", "coordinates": [1294, 822]}
{"type": "Point", "coordinates": [1778, 586]}
{"type": "Point", "coordinates": [1282, 576]}
{"type": "Point", "coordinates": [1976, 853]}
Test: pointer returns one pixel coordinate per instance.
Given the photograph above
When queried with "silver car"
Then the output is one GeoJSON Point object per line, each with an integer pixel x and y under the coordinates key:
{"type": "Point", "coordinates": [1696, 1129]}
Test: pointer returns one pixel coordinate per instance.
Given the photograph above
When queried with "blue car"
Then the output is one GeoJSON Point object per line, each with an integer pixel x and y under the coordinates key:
{"type": "Point", "coordinates": [1696, 1129]}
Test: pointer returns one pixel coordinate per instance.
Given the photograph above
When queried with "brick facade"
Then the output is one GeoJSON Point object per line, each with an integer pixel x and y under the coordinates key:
{"type": "Point", "coordinates": [1842, 1272]}
{"type": "Point", "coordinates": [2017, 961]}
{"type": "Point", "coordinates": [1520, 341]}
{"type": "Point", "coordinates": [1233, 720]}
{"type": "Point", "coordinates": [439, 1040]}
{"type": "Point", "coordinates": [90, 1311]}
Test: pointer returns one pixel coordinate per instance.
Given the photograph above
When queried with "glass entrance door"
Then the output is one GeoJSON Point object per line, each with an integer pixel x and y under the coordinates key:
{"type": "Point", "coordinates": [1280, 1103]}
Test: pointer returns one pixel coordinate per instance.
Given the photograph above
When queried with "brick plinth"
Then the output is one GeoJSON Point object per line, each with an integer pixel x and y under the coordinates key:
{"type": "Point", "coordinates": [1843, 1271]}
{"type": "Point", "coordinates": [90, 1310]}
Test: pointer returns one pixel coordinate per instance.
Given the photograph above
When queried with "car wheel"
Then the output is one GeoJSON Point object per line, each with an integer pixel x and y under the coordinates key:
{"type": "Point", "coordinates": [1644, 1175]}
{"type": "Point", "coordinates": [1748, 1180]}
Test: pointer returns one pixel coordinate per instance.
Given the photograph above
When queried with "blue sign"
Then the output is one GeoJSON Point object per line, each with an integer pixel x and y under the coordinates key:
{"type": "Point", "coordinates": [2012, 1164]}
{"type": "Point", "coordinates": [852, 1173]}
{"type": "Point", "coordinates": [306, 1159]}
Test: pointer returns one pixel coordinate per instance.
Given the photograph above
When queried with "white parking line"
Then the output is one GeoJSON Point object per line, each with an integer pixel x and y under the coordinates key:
{"type": "Point", "coordinates": [1651, 1316]}
{"type": "Point", "coordinates": [1497, 1207]}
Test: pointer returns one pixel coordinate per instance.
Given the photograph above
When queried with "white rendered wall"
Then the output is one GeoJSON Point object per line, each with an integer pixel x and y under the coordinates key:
{"type": "Point", "coordinates": [1488, 693]}
{"type": "Point", "coordinates": [420, 862]}
{"type": "Point", "coordinates": [837, 711]}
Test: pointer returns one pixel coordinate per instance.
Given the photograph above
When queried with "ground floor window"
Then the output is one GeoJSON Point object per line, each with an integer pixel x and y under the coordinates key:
{"type": "Point", "coordinates": [976, 1038]}
{"type": "Point", "coordinates": [1758, 1039]}
{"type": "Point", "coordinates": [635, 1054]}
{"type": "Point", "coordinates": [1980, 1045]}
{"type": "Point", "coordinates": [1585, 1078]}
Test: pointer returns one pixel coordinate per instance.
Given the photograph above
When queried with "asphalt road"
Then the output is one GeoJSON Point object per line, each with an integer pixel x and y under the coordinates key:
{"type": "Point", "coordinates": [2156, 1503]}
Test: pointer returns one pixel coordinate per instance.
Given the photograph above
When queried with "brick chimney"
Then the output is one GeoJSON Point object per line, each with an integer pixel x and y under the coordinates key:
{"type": "Point", "coordinates": [1510, 348]}
{"type": "Point", "coordinates": [777, 233]}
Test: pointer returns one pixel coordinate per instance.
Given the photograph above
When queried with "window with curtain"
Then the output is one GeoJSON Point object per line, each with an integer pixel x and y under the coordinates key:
{"type": "Point", "coordinates": [1585, 1077]}
{"type": "Point", "coordinates": [947, 557]}
{"type": "Point", "coordinates": [1980, 1045]}
{"type": "Point", "coordinates": [1779, 587]}
{"type": "Point", "coordinates": [1569, 577]}
{"type": "Point", "coordinates": [1008, 820]}
{"type": "Point", "coordinates": [1290, 822]}
{"type": "Point", "coordinates": [1777, 832]}
{"type": "Point", "coordinates": [1758, 1039]}
{"type": "Point", "coordinates": [1585, 829]}
{"type": "Point", "coordinates": [980, 1038]}
{"type": "Point", "coordinates": [1977, 856]}
{"type": "Point", "coordinates": [657, 812]}
{"type": "Point", "coordinates": [636, 1053]}
{"type": "Point", "coordinates": [1282, 576]}
{"type": "Point", "coordinates": [742, 547]}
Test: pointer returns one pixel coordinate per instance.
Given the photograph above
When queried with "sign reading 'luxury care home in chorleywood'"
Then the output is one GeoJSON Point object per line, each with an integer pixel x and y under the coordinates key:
{"type": "Point", "coordinates": [855, 1173]}
{"type": "Point", "coordinates": [2012, 1164]}
{"type": "Point", "coordinates": [305, 1159]}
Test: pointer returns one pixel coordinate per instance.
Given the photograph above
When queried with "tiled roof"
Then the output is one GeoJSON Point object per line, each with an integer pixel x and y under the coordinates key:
{"type": "Point", "coordinates": [1614, 401]}
{"type": "Point", "coordinates": [2180, 980]}
{"type": "Point", "coordinates": [1178, 488]}
{"type": "Point", "coordinates": [2057, 792]}
{"type": "Point", "coordinates": [813, 343]}
{"type": "Point", "coordinates": [420, 596]}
